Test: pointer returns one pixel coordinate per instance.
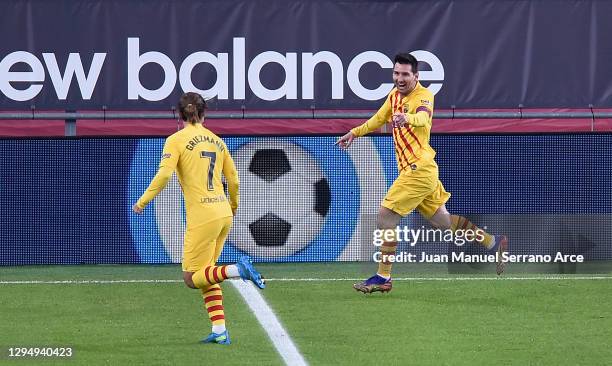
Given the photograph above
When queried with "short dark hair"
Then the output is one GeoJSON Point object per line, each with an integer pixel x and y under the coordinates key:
{"type": "Point", "coordinates": [191, 107]}
{"type": "Point", "coordinates": [407, 59]}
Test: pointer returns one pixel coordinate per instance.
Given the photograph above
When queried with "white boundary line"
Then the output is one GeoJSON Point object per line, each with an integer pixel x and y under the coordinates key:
{"type": "Point", "coordinates": [106, 282]}
{"type": "Point", "coordinates": [84, 282]}
{"type": "Point", "coordinates": [502, 278]}
{"type": "Point", "coordinates": [268, 320]}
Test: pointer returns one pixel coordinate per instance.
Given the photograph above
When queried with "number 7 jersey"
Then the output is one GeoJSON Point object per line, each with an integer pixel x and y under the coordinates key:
{"type": "Point", "coordinates": [200, 158]}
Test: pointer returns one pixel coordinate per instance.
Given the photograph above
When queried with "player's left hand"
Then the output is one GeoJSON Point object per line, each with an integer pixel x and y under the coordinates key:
{"type": "Point", "coordinates": [137, 210]}
{"type": "Point", "coordinates": [399, 119]}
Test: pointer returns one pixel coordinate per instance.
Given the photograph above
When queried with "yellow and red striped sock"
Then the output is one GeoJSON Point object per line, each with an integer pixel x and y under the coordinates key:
{"type": "Point", "coordinates": [213, 301]}
{"type": "Point", "coordinates": [386, 249]}
{"type": "Point", "coordinates": [461, 223]}
{"type": "Point", "coordinates": [209, 275]}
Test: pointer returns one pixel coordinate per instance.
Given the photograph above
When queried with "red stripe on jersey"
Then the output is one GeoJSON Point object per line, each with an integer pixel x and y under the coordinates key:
{"type": "Point", "coordinates": [423, 108]}
{"type": "Point", "coordinates": [206, 274]}
{"type": "Point", "coordinates": [413, 135]}
{"type": "Point", "coordinates": [397, 134]}
{"type": "Point", "coordinates": [217, 317]}
{"type": "Point", "coordinates": [224, 272]}
{"type": "Point", "coordinates": [213, 298]}
{"type": "Point", "coordinates": [465, 223]}
{"type": "Point", "coordinates": [398, 151]}
{"type": "Point", "coordinates": [405, 140]}
{"type": "Point", "coordinates": [216, 274]}
{"type": "Point", "coordinates": [395, 99]}
{"type": "Point", "coordinates": [399, 103]}
{"type": "Point", "coordinates": [215, 308]}
{"type": "Point", "coordinates": [398, 108]}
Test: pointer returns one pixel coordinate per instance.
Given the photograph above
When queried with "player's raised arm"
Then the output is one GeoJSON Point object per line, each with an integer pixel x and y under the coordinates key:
{"type": "Point", "coordinates": [167, 165]}
{"type": "Point", "coordinates": [233, 182]}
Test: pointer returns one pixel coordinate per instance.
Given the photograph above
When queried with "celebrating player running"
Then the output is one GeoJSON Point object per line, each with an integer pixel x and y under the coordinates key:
{"type": "Point", "coordinates": [200, 158]}
{"type": "Point", "coordinates": [409, 108]}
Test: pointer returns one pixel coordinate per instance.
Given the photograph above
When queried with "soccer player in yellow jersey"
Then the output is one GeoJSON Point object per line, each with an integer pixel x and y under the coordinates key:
{"type": "Point", "coordinates": [409, 108]}
{"type": "Point", "coordinates": [200, 158]}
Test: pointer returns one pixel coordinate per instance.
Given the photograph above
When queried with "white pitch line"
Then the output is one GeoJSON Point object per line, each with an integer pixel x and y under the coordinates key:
{"type": "Point", "coordinates": [84, 282]}
{"type": "Point", "coordinates": [502, 278]}
{"type": "Point", "coordinates": [268, 320]}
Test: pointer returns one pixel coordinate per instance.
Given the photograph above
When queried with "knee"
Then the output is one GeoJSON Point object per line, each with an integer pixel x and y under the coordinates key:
{"type": "Point", "coordinates": [441, 219]}
{"type": "Point", "coordinates": [437, 224]}
{"type": "Point", "coordinates": [187, 278]}
{"type": "Point", "coordinates": [387, 219]}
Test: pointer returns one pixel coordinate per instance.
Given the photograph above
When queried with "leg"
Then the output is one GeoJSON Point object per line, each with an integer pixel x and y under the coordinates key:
{"type": "Point", "coordinates": [405, 194]}
{"type": "Point", "coordinates": [187, 278]}
{"type": "Point", "coordinates": [213, 295]}
{"type": "Point", "coordinates": [433, 208]}
{"type": "Point", "coordinates": [387, 220]}
{"type": "Point", "coordinates": [213, 302]}
{"type": "Point", "coordinates": [199, 255]}
{"type": "Point", "coordinates": [202, 248]}
{"type": "Point", "coordinates": [442, 219]}
{"type": "Point", "coordinates": [199, 251]}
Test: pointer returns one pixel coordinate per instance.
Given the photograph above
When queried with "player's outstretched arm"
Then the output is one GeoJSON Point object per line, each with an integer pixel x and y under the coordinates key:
{"type": "Point", "coordinates": [158, 183]}
{"type": "Point", "coordinates": [381, 117]}
{"type": "Point", "coordinates": [169, 160]}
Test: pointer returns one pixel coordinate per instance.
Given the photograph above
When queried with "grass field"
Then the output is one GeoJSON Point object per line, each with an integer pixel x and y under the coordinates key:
{"type": "Point", "coordinates": [429, 319]}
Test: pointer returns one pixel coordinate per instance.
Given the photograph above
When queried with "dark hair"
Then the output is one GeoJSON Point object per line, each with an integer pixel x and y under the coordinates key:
{"type": "Point", "coordinates": [407, 59]}
{"type": "Point", "coordinates": [191, 107]}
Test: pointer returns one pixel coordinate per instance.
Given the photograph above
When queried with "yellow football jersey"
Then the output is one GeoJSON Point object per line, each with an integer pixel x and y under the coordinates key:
{"type": "Point", "coordinates": [200, 158]}
{"type": "Point", "coordinates": [412, 140]}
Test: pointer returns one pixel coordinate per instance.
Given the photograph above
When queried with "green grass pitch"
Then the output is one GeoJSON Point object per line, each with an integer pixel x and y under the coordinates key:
{"type": "Point", "coordinates": [421, 322]}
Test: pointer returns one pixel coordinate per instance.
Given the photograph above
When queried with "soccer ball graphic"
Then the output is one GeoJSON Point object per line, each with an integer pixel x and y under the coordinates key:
{"type": "Point", "coordinates": [284, 199]}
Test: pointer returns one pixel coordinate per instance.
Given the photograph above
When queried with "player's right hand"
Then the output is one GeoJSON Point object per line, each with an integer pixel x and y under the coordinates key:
{"type": "Point", "coordinates": [137, 210]}
{"type": "Point", "coordinates": [345, 141]}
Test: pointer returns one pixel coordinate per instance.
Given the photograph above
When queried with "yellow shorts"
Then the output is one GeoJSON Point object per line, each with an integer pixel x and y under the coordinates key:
{"type": "Point", "coordinates": [203, 244]}
{"type": "Point", "coordinates": [419, 188]}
